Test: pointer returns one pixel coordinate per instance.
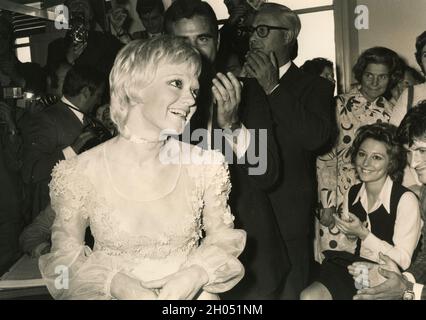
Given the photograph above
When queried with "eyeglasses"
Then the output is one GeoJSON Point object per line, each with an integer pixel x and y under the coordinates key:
{"type": "Point", "coordinates": [261, 30]}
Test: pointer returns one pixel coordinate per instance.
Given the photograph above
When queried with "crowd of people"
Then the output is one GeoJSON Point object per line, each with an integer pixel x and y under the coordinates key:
{"type": "Point", "coordinates": [189, 161]}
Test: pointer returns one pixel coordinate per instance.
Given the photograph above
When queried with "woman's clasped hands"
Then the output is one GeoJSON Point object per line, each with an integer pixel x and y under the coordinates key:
{"type": "Point", "coordinates": [184, 284]}
{"type": "Point", "coordinates": [352, 226]}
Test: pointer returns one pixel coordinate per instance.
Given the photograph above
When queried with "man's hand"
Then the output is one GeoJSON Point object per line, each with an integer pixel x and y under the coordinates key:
{"type": "Point", "coordinates": [182, 285]}
{"type": "Point", "coordinates": [264, 68]}
{"type": "Point", "coordinates": [118, 17]}
{"type": "Point", "coordinates": [227, 95]}
{"type": "Point", "coordinates": [238, 13]}
{"type": "Point", "coordinates": [391, 289]}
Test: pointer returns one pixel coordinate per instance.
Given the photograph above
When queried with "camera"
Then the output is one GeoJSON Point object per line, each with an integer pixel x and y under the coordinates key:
{"type": "Point", "coordinates": [79, 33]}
{"type": "Point", "coordinates": [22, 98]}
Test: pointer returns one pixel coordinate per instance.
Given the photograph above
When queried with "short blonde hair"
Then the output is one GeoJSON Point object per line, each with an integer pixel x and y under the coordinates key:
{"type": "Point", "coordinates": [136, 66]}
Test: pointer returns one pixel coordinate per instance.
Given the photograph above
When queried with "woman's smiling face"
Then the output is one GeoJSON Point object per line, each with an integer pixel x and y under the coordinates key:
{"type": "Point", "coordinates": [168, 102]}
{"type": "Point", "coordinates": [372, 161]}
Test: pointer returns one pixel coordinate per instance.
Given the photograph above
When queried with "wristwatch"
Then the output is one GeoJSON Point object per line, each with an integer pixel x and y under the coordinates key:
{"type": "Point", "coordinates": [408, 293]}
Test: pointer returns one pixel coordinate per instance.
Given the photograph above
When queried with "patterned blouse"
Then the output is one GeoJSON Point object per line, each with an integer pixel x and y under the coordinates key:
{"type": "Point", "coordinates": [336, 174]}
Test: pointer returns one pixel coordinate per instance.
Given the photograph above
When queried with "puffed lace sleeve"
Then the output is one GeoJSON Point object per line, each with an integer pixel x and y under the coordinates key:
{"type": "Point", "coordinates": [222, 244]}
{"type": "Point", "coordinates": [71, 270]}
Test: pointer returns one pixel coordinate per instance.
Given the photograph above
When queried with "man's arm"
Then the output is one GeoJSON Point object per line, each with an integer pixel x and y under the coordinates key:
{"type": "Point", "coordinates": [257, 153]}
{"type": "Point", "coordinates": [261, 160]}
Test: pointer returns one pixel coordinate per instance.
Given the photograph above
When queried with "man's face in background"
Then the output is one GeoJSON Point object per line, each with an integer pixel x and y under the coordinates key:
{"type": "Point", "coordinates": [152, 21]}
{"type": "Point", "coordinates": [83, 8]}
{"type": "Point", "coordinates": [200, 33]}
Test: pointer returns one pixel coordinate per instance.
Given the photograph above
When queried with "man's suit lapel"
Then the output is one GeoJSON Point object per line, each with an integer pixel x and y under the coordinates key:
{"type": "Point", "coordinates": [68, 124]}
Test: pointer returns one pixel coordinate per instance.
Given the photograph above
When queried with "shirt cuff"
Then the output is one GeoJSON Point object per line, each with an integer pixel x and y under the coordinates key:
{"type": "Point", "coordinates": [239, 140]}
{"type": "Point", "coordinates": [417, 289]}
{"type": "Point", "coordinates": [409, 277]}
{"type": "Point", "coordinates": [69, 153]}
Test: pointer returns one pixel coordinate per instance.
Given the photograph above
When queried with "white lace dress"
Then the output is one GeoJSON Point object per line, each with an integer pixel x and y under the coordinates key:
{"type": "Point", "coordinates": [148, 239]}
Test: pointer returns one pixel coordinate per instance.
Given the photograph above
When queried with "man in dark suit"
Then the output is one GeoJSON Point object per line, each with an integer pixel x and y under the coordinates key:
{"type": "Point", "coordinates": [56, 133]}
{"type": "Point", "coordinates": [301, 107]}
{"type": "Point", "coordinates": [223, 106]}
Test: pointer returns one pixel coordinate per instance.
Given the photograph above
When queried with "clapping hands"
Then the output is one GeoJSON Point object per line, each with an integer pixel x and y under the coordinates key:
{"type": "Point", "coordinates": [118, 18]}
{"type": "Point", "coordinates": [263, 67]}
{"type": "Point", "coordinates": [227, 94]}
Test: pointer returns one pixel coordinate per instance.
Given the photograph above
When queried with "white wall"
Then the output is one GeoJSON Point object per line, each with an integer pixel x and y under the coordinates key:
{"type": "Point", "coordinates": [394, 24]}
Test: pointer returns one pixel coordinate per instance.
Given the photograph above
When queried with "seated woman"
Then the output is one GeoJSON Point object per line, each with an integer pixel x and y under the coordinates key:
{"type": "Point", "coordinates": [157, 208]}
{"type": "Point", "coordinates": [379, 215]}
{"type": "Point", "coordinates": [377, 71]}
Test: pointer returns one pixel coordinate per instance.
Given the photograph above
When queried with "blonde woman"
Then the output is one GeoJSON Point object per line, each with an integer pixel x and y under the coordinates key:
{"type": "Point", "coordinates": [162, 226]}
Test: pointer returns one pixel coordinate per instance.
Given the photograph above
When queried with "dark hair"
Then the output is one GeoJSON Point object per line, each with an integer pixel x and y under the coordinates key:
{"type": "Point", "coordinates": [316, 66]}
{"type": "Point", "coordinates": [385, 133]}
{"type": "Point", "coordinates": [380, 55]}
{"type": "Point", "coordinates": [187, 9]}
{"type": "Point", "coordinates": [81, 76]}
{"type": "Point", "coordinates": [413, 125]}
{"type": "Point", "coordinates": [417, 76]}
{"type": "Point", "coordinates": [420, 44]}
{"type": "Point", "coordinates": [146, 6]}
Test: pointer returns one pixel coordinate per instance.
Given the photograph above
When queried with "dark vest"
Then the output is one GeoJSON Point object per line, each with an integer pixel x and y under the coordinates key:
{"type": "Point", "coordinates": [382, 222]}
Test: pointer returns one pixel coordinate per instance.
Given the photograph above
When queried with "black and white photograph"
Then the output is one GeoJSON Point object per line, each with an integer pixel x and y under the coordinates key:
{"type": "Point", "coordinates": [231, 151]}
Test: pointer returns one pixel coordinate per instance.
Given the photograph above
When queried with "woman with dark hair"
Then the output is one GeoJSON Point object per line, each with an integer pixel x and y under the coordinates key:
{"type": "Point", "coordinates": [379, 214]}
{"type": "Point", "coordinates": [377, 70]}
{"type": "Point", "coordinates": [412, 95]}
{"type": "Point", "coordinates": [320, 67]}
